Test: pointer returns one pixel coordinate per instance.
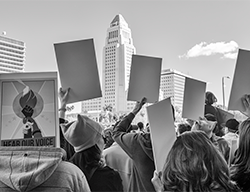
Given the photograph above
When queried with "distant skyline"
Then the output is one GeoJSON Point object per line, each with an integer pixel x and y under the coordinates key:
{"type": "Point", "coordinates": [197, 38]}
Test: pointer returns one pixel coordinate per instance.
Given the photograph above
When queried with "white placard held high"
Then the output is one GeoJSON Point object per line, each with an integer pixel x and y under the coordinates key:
{"type": "Point", "coordinates": [78, 70]}
{"type": "Point", "coordinates": [194, 99]}
{"type": "Point", "coordinates": [145, 76]}
{"type": "Point", "coordinates": [160, 116]}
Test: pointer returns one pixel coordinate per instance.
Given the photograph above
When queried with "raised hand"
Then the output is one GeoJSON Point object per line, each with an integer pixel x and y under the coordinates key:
{"type": "Point", "coordinates": [139, 105]}
{"type": "Point", "coordinates": [63, 96]}
{"type": "Point", "coordinates": [156, 181]}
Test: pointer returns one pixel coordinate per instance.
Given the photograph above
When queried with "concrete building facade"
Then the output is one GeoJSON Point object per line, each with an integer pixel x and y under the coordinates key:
{"type": "Point", "coordinates": [12, 55]}
{"type": "Point", "coordinates": [117, 56]}
{"type": "Point", "coordinates": [172, 85]}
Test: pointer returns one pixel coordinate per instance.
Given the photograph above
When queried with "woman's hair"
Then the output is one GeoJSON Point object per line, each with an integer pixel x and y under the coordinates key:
{"type": "Point", "coordinates": [88, 160]}
{"type": "Point", "coordinates": [242, 160]}
{"type": "Point", "coordinates": [210, 98]}
{"type": "Point", "coordinates": [194, 164]}
{"type": "Point", "coordinates": [183, 127]}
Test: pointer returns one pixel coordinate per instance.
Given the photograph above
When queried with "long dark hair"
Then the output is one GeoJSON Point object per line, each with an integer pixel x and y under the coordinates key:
{"type": "Point", "coordinates": [194, 164]}
{"type": "Point", "coordinates": [242, 161]}
{"type": "Point", "coordinates": [88, 160]}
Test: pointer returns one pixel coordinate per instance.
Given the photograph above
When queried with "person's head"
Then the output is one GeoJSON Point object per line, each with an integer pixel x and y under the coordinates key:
{"type": "Point", "coordinates": [183, 127]}
{"type": "Point", "coordinates": [204, 125]}
{"type": "Point", "coordinates": [210, 98]}
{"type": "Point", "coordinates": [83, 133]}
{"type": "Point", "coordinates": [140, 125]}
{"type": "Point", "coordinates": [147, 129]}
{"type": "Point", "coordinates": [232, 125]}
{"type": "Point", "coordinates": [194, 164]}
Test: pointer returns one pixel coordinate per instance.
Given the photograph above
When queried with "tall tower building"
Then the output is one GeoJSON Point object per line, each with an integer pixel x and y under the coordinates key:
{"type": "Point", "coordinates": [12, 55]}
{"type": "Point", "coordinates": [117, 56]}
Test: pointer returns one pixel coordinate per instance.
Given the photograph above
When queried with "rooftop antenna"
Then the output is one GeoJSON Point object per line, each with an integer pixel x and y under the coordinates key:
{"type": "Point", "coordinates": [4, 33]}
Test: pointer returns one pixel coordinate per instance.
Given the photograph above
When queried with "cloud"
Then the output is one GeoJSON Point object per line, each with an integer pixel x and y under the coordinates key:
{"type": "Point", "coordinates": [227, 50]}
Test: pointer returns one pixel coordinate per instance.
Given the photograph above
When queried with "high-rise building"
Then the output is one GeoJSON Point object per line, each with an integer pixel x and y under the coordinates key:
{"type": "Point", "coordinates": [172, 85]}
{"type": "Point", "coordinates": [117, 56]}
{"type": "Point", "coordinates": [12, 55]}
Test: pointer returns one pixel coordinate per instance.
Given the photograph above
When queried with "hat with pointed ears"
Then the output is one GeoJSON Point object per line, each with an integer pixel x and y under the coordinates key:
{"type": "Point", "coordinates": [83, 133]}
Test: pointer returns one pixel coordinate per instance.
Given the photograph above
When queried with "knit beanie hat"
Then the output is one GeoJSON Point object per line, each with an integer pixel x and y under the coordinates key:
{"type": "Point", "coordinates": [83, 133]}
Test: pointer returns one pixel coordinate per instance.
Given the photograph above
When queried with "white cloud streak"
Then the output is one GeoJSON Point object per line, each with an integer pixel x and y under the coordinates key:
{"type": "Point", "coordinates": [227, 50]}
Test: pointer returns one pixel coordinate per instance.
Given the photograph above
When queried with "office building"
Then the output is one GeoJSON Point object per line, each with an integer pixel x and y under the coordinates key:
{"type": "Point", "coordinates": [172, 85]}
{"type": "Point", "coordinates": [117, 56]}
{"type": "Point", "coordinates": [92, 105]}
{"type": "Point", "coordinates": [12, 55]}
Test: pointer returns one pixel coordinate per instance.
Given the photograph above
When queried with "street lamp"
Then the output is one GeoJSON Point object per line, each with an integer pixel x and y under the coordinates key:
{"type": "Point", "coordinates": [223, 91]}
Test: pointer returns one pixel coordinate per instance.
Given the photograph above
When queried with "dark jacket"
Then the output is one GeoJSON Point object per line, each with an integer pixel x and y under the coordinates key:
{"type": "Point", "coordinates": [242, 179]}
{"type": "Point", "coordinates": [139, 148]}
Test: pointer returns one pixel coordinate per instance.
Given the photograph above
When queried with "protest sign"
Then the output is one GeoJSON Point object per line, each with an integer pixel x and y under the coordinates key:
{"type": "Point", "coordinates": [76, 61]}
{"type": "Point", "coordinates": [162, 129]}
{"type": "Point", "coordinates": [241, 81]}
{"type": "Point", "coordinates": [224, 115]}
{"type": "Point", "coordinates": [194, 99]}
{"type": "Point", "coordinates": [145, 77]}
{"type": "Point", "coordinates": [28, 114]}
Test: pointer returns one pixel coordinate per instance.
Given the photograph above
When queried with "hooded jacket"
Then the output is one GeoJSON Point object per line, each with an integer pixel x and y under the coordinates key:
{"type": "Point", "coordinates": [139, 148]}
{"type": "Point", "coordinates": [116, 158]}
{"type": "Point", "coordinates": [38, 169]}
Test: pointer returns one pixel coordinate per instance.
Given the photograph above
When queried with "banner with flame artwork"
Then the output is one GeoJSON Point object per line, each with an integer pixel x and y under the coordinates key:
{"type": "Point", "coordinates": [28, 114]}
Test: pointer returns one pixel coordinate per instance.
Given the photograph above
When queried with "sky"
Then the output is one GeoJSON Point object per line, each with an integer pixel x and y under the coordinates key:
{"type": "Point", "coordinates": [198, 38]}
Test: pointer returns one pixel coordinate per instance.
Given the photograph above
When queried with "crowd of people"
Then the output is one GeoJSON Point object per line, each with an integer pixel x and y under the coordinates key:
{"type": "Point", "coordinates": [207, 155]}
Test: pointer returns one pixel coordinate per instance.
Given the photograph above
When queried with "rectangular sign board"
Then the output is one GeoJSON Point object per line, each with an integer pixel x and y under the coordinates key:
{"type": "Point", "coordinates": [77, 66]}
{"type": "Point", "coordinates": [162, 129]}
{"type": "Point", "coordinates": [29, 109]}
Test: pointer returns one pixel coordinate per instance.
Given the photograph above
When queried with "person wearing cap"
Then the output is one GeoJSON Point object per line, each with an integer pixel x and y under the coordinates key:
{"type": "Point", "coordinates": [232, 130]}
{"type": "Point", "coordinates": [85, 135]}
{"type": "Point", "coordinates": [138, 146]}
